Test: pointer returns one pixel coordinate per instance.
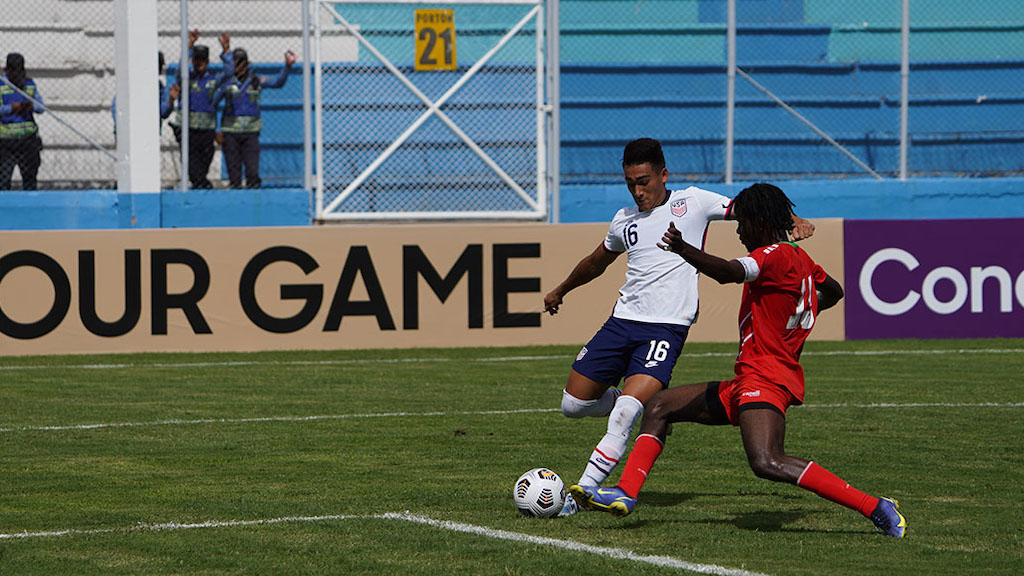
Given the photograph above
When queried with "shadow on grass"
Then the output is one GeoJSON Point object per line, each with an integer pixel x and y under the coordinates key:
{"type": "Point", "coordinates": [759, 521]}
{"type": "Point", "coordinates": [766, 521]}
{"type": "Point", "coordinates": [774, 521]}
{"type": "Point", "coordinates": [666, 499]}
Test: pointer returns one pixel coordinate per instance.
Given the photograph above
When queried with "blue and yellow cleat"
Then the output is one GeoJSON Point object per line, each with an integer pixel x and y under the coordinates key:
{"type": "Point", "coordinates": [581, 494]}
{"type": "Point", "coordinates": [613, 500]}
{"type": "Point", "coordinates": [888, 519]}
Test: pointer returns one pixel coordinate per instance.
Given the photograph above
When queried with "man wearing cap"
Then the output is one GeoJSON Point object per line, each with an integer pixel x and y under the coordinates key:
{"type": "Point", "coordinates": [202, 117]}
{"type": "Point", "coordinates": [20, 143]}
{"type": "Point", "coordinates": [240, 122]}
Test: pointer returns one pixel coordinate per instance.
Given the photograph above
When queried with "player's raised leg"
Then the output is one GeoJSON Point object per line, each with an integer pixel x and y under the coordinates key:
{"type": "Point", "coordinates": [764, 430]}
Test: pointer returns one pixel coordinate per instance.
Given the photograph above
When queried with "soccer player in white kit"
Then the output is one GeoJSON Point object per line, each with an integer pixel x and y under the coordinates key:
{"type": "Point", "coordinates": [642, 339]}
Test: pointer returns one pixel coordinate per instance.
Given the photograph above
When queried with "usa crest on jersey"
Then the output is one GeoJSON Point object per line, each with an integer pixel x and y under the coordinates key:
{"type": "Point", "coordinates": [679, 207]}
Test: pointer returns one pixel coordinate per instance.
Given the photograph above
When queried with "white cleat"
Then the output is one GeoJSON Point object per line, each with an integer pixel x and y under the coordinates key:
{"type": "Point", "coordinates": [570, 507]}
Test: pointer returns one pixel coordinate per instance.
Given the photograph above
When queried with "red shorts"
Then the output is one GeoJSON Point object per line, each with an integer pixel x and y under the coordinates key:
{"type": "Point", "coordinates": [751, 392]}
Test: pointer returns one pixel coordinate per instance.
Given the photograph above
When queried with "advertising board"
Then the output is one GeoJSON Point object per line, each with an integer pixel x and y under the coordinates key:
{"type": "Point", "coordinates": [934, 278]}
{"type": "Point", "coordinates": [382, 286]}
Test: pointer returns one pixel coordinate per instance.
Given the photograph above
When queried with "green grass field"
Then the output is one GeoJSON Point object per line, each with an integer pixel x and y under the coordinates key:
{"type": "Point", "coordinates": [403, 461]}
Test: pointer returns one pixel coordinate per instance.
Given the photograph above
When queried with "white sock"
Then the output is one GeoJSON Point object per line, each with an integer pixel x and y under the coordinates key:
{"type": "Point", "coordinates": [611, 448]}
{"type": "Point", "coordinates": [573, 407]}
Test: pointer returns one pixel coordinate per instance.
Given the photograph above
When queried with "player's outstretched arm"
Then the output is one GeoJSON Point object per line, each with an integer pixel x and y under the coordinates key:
{"type": "Point", "coordinates": [719, 269]}
{"type": "Point", "coordinates": [590, 267]}
{"type": "Point", "coordinates": [830, 292]}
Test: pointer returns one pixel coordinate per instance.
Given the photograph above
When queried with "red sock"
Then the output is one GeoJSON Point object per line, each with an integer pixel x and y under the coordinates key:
{"type": "Point", "coordinates": [646, 450]}
{"type": "Point", "coordinates": [831, 487]}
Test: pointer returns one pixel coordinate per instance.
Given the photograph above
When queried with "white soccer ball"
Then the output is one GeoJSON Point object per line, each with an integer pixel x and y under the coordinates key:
{"type": "Point", "coordinates": [539, 493]}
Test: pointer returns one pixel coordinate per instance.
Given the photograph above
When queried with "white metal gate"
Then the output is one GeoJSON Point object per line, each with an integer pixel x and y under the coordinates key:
{"type": "Point", "coordinates": [430, 113]}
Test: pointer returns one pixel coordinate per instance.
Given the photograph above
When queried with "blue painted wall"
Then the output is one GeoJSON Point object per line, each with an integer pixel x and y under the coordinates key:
{"type": "Point", "coordinates": [852, 199]}
{"type": "Point", "coordinates": [235, 208]}
{"type": "Point", "coordinates": [78, 210]}
{"type": "Point", "coordinates": [106, 209]}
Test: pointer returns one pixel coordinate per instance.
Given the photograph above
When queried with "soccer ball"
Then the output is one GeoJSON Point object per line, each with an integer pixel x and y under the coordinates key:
{"type": "Point", "coordinates": [539, 493]}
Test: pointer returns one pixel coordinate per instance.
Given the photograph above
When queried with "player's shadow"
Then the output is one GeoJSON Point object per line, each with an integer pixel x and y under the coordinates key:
{"type": "Point", "coordinates": [763, 521]}
{"type": "Point", "coordinates": [772, 521]}
{"type": "Point", "coordinates": [666, 499]}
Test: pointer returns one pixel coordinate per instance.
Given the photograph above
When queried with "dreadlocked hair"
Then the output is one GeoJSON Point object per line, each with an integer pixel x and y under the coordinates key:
{"type": "Point", "coordinates": [765, 205]}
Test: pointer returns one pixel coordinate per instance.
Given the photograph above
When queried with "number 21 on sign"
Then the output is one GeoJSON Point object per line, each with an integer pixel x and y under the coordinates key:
{"type": "Point", "coordinates": [435, 39]}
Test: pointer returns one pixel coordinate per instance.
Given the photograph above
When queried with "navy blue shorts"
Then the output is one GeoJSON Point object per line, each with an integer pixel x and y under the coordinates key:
{"type": "Point", "coordinates": [622, 348]}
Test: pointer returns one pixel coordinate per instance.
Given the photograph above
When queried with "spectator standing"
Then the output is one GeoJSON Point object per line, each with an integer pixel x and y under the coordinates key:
{"type": "Point", "coordinates": [20, 144]}
{"type": "Point", "coordinates": [202, 112]}
{"type": "Point", "coordinates": [240, 123]}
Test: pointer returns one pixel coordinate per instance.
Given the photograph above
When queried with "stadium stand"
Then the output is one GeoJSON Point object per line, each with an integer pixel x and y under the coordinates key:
{"type": "Point", "coordinates": [965, 105]}
{"type": "Point", "coordinates": [656, 66]}
{"type": "Point", "coordinates": [69, 50]}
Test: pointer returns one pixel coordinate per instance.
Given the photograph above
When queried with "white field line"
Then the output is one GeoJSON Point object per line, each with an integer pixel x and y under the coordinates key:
{"type": "Point", "coordinates": [441, 360]}
{"type": "Point", "coordinates": [617, 553]}
{"type": "Point", "coordinates": [200, 421]}
{"type": "Point", "coordinates": [174, 526]}
{"type": "Point", "coordinates": [271, 419]}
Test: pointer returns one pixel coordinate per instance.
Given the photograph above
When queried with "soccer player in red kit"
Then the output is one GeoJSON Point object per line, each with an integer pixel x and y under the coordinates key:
{"type": "Point", "coordinates": [783, 292]}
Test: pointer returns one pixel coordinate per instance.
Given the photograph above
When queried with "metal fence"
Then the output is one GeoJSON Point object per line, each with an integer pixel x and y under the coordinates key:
{"type": "Point", "coordinates": [68, 47]}
{"type": "Point", "coordinates": [255, 52]}
{"type": "Point", "coordinates": [795, 88]}
{"type": "Point", "coordinates": [68, 52]}
{"type": "Point", "coordinates": [942, 99]}
{"type": "Point", "coordinates": [914, 88]}
{"type": "Point", "coordinates": [431, 113]}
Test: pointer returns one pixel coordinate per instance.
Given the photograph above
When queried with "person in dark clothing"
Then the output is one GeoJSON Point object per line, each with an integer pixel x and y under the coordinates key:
{"type": "Point", "coordinates": [20, 144]}
{"type": "Point", "coordinates": [240, 122]}
{"type": "Point", "coordinates": [202, 117]}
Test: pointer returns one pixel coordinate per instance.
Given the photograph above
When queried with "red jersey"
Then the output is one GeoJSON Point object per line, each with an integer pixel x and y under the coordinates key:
{"type": "Point", "coordinates": [780, 305]}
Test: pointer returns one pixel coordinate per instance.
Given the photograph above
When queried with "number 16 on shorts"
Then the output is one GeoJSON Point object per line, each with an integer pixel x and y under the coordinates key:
{"type": "Point", "coordinates": [657, 353]}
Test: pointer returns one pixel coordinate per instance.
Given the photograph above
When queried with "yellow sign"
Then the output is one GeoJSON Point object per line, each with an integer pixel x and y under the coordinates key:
{"type": "Point", "coordinates": [435, 39]}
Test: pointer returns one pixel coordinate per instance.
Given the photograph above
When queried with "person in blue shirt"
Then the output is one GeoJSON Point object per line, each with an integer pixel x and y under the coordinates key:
{"type": "Point", "coordinates": [20, 144]}
{"type": "Point", "coordinates": [202, 112]}
{"type": "Point", "coordinates": [240, 122]}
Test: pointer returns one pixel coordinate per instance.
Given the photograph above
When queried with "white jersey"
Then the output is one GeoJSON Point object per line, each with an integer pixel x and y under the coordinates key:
{"type": "Point", "coordinates": [661, 287]}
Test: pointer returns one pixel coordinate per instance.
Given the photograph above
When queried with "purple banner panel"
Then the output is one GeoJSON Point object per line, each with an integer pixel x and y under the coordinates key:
{"type": "Point", "coordinates": [934, 278]}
